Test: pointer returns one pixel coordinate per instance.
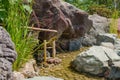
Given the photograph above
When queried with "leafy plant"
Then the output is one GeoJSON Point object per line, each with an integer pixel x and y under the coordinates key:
{"type": "Point", "coordinates": [15, 16]}
{"type": "Point", "coordinates": [102, 7]}
{"type": "Point", "coordinates": [4, 4]}
{"type": "Point", "coordinates": [102, 10]}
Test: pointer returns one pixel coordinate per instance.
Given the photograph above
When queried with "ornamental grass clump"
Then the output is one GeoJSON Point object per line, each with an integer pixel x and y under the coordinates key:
{"type": "Point", "coordinates": [16, 24]}
{"type": "Point", "coordinates": [114, 22]}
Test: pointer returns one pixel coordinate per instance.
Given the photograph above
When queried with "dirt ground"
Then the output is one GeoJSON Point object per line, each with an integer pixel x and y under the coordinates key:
{"type": "Point", "coordinates": [64, 71]}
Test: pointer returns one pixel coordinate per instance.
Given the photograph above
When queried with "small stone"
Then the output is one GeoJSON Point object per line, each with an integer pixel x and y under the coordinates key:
{"type": "Point", "coordinates": [64, 56]}
{"type": "Point", "coordinates": [45, 65]}
{"type": "Point", "coordinates": [46, 71]}
{"type": "Point", "coordinates": [29, 69]}
{"type": "Point", "coordinates": [18, 76]}
{"type": "Point", "coordinates": [54, 61]}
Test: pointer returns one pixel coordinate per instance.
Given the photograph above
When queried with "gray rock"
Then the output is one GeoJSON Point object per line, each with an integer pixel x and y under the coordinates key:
{"type": "Point", "coordinates": [94, 60]}
{"type": "Point", "coordinates": [88, 40]}
{"type": "Point", "coordinates": [70, 44]}
{"type": "Point", "coordinates": [107, 44]}
{"type": "Point", "coordinates": [100, 25]}
{"type": "Point", "coordinates": [106, 38]}
{"type": "Point", "coordinates": [44, 78]}
{"type": "Point", "coordinates": [114, 74]}
{"type": "Point", "coordinates": [75, 44]}
{"type": "Point", "coordinates": [117, 46]}
{"type": "Point", "coordinates": [7, 55]}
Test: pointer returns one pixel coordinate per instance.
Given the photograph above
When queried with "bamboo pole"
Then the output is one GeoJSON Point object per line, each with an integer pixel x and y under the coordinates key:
{"type": "Point", "coordinates": [54, 49]}
{"type": "Point", "coordinates": [45, 50]}
{"type": "Point", "coordinates": [42, 45]}
{"type": "Point", "coordinates": [41, 29]}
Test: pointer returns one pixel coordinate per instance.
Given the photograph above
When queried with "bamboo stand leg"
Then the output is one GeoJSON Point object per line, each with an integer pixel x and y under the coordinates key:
{"type": "Point", "coordinates": [54, 49]}
{"type": "Point", "coordinates": [45, 50]}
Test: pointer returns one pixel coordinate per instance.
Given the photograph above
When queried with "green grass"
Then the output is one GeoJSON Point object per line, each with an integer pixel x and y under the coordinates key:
{"type": "Point", "coordinates": [114, 22]}
{"type": "Point", "coordinates": [113, 26]}
{"type": "Point", "coordinates": [16, 22]}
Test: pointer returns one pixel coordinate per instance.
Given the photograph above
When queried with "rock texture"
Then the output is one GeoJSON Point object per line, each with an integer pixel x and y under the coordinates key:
{"type": "Point", "coordinates": [7, 55]}
{"type": "Point", "coordinates": [117, 46]}
{"type": "Point", "coordinates": [39, 56]}
{"type": "Point", "coordinates": [106, 37]}
{"type": "Point", "coordinates": [95, 60]}
{"type": "Point", "coordinates": [59, 15]}
{"type": "Point", "coordinates": [100, 25]}
{"type": "Point", "coordinates": [30, 69]}
{"type": "Point", "coordinates": [44, 78]}
{"type": "Point", "coordinates": [18, 76]}
{"type": "Point", "coordinates": [70, 22]}
{"type": "Point", "coordinates": [108, 45]}
{"type": "Point", "coordinates": [69, 44]}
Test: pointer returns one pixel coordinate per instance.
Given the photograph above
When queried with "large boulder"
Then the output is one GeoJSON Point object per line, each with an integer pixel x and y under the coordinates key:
{"type": "Point", "coordinates": [100, 25]}
{"type": "Point", "coordinates": [95, 60]}
{"type": "Point", "coordinates": [7, 55]}
{"type": "Point", "coordinates": [69, 21]}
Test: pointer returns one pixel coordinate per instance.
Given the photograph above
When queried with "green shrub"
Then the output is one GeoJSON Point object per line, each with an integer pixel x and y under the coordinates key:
{"type": "Point", "coordinates": [4, 4]}
{"type": "Point", "coordinates": [102, 10]}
